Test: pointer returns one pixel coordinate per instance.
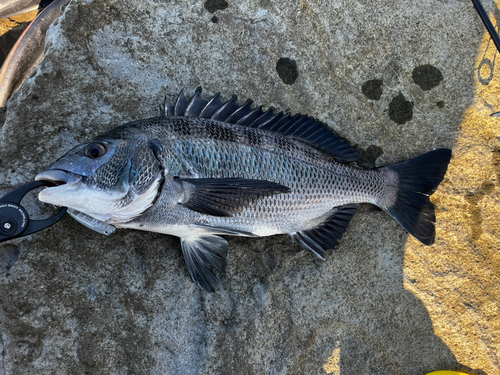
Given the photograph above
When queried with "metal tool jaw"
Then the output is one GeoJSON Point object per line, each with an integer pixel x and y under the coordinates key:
{"type": "Point", "coordinates": [14, 219]}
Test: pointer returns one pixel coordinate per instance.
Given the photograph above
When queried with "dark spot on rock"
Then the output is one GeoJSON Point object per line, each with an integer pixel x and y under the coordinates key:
{"type": "Point", "coordinates": [496, 162]}
{"type": "Point", "coordinates": [34, 97]}
{"type": "Point", "coordinates": [488, 187]}
{"type": "Point", "coordinates": [400, 109]}
{"type": "Point", "coordinates": [214, 5]}
{"type": "Point", "coordinates": [372, 89]}
{"type": "Point", "coordinates": [369, 208]}
{"type": "Point", "coordinates": [368, 157]}
{"type": "Point", "coordinates": [215, 19]}
{"type": "Point", "coordinates": [115, 13]}
{"type": "Point", "coordinates": [9, 255]}
{"type": "Point", "coordinates": [427, 76]}
{"type": "Point", "coordinates": [474, 208]}
{"type": "Point", "coordinates": [87, 350]}
{"type": "Point", "coordinates": [440, 104]}
{"type": "Point", "coordinates": [287, 70]}
{"type": "Point", "coordinates": [372, 153]}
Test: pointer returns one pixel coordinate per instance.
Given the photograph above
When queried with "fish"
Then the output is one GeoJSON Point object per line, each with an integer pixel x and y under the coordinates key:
{"type": "Point", "coordinates": [206, 168]}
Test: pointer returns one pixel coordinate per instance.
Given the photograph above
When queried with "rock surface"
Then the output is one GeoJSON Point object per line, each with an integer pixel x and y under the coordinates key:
{"type": "Point", "coordinates": [395, 79]}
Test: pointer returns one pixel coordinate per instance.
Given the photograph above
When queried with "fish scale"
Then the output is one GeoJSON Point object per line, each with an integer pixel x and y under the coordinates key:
{"type": "Point", "coordinates": [206, 168]}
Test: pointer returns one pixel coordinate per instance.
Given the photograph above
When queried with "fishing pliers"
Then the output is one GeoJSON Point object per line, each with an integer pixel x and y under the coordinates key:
{"type": "Point", "coordinates": [14, 219]}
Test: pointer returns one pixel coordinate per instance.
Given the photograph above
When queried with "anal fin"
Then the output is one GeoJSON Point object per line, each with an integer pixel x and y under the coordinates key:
{"type": "Point", "coordinates": [203, 255]}
{"type": "Point", "coordinates": [328, 234]}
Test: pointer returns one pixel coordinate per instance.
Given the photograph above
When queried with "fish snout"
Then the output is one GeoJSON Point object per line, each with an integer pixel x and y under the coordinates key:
{"type": "Point", "coordinates": [58, 177]}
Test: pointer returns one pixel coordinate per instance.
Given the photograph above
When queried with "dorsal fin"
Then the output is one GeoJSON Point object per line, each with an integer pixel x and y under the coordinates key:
{"type": "Point", "coordinates": [299, 126]}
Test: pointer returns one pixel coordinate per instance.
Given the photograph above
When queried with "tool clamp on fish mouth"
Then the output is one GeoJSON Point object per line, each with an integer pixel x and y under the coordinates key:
{"type": "Point", "coordinates": [14, 219]}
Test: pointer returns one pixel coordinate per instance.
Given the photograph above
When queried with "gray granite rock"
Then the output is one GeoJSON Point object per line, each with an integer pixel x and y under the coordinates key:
{"type": "Point", "coordinates": [393, 78]}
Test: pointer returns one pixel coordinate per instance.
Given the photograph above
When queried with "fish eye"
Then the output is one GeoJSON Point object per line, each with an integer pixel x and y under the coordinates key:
{"type": "Point", "coordinates": [95, 150]}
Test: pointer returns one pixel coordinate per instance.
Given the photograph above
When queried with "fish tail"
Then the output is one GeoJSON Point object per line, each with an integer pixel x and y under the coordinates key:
{"type": "Point", "coordinates": [409, 201]}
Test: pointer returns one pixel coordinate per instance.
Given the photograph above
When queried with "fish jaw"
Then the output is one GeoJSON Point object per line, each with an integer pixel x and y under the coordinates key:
{"type": "Point", "coordinates": [63, 181]}
{"type": "Point", "coordinates": [110, 206]}
{"type": "Point", "coordinates": [71, 191]}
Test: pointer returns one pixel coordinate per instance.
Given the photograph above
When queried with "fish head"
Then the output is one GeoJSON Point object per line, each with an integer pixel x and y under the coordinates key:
{"type": "Point", "coordinates": [111, 178]}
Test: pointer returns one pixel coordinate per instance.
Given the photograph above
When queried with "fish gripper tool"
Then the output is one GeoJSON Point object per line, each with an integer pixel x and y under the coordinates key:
{"type": "Point", "coordinates": [14, 219]}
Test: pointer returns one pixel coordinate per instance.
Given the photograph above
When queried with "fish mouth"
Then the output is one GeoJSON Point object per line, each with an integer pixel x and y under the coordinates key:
{"type": "Point", "coordinates": [58, 177]}
{"type": "Point", "coordinates": [66, 183]}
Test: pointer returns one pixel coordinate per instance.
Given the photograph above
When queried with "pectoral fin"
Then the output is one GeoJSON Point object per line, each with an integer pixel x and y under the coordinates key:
{"type": "Point", "coordinates": [203, 255]}
{"type": "Point", "coordinates": [225, 196]}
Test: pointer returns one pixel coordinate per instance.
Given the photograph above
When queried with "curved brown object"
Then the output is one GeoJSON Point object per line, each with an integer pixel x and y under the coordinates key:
{"type": "Point", "coordinates": [27, 52]}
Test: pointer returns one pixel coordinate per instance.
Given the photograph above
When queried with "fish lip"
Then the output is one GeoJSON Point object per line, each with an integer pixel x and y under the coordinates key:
{"type": "Point", "coordinates": [58, 177]}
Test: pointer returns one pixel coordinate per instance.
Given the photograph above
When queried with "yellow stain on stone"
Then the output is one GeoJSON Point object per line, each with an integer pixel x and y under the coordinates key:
{"type": "Point", "coordinates": [9, 23]}
{"type": "Point", "coordinates": [332, 366]}
{"type": "Point", "coordinates": [458, 278]}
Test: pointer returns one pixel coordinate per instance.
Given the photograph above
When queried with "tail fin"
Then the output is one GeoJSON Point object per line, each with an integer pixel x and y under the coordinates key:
{"type": "Point", "coordinates": [418, 179]}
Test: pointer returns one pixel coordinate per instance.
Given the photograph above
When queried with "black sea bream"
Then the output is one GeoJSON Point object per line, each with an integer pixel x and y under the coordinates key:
{"type": "Point", "coordinates": [207, 168]}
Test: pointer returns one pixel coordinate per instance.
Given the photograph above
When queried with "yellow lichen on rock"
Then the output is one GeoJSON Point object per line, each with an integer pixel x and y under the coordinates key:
{"type": "Point", "coordinates": [332, 366]}
{"type": "Point", "coordinates": [457, 278]}
{"type": "Point", "coordinates": [9, 23]}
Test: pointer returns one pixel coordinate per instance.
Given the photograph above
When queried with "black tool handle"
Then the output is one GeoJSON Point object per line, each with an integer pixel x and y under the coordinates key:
{"type": "Point", "coordinates": [487, 22]}
{"type": "Point", "coordinates": [14, 219]}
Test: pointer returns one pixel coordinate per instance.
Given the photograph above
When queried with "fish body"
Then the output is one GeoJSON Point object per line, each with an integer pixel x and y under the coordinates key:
{"type": "Point", "coordinates": [207, 168]}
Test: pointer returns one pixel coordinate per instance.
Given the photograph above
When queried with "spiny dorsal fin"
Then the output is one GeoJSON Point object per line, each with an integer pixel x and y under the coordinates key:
{"type": "Point", "coordinates": [299, 126]}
